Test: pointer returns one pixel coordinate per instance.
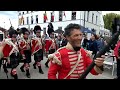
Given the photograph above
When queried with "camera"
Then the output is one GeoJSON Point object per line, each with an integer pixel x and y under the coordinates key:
{"type": "Point", "coordinates": [1, 36]}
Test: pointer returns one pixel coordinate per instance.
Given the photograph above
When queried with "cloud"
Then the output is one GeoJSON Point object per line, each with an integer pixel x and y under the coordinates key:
{"type": "Point", "coordinates": [4, 19]}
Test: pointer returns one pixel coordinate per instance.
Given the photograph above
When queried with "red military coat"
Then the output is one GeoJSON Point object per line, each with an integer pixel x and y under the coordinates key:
{"type": "Point", "coordinates": [36, 44]}
{"type": "Point", "coordinates": [9, 48]}
{"type": "Point", "coordinates": [68, 58]}
{"type": "Point", "coordinates": [50, 44]}
{"type": "Point", "coordinates": [23, 45]}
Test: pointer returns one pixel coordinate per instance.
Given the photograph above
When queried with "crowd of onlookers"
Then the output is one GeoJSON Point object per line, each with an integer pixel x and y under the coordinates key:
{"type": "Point", "coordinates": [94, 44]}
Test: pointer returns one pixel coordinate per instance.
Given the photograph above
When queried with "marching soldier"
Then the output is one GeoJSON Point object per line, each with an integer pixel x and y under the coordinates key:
{"type": "Point", "coordinates": [25, 49]}
{"type": "Point", "coordinates": [37, 51]}
{"type": "Point", "coordinates": [11, 53]}
{"type": "Point", "coordinates": [50, 46]}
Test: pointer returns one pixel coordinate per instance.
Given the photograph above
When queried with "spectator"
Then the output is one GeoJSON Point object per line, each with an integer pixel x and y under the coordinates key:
{"type": "Point", "coordinates": [100, 43]}
{"type": "Point", "coordinates": [93, 45]}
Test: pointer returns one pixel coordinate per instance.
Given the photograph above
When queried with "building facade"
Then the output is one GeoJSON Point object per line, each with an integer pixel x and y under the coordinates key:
{"type": "Point", "coordinates": [60, 19]}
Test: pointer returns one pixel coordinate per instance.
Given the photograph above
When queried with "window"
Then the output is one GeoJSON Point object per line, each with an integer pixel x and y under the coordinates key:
{"type": "Point", "coordinates": [31, 19]}
{"type": "Point", "coordinates": [27, 20]}
{"type": "Point", "coordinates": [92, 17]}
{"type": "Point", "coordinates": [44, 30]}
{"type": "Point", "coordinates": [23, 21]}
{"type": "Point", "coordinates": [23, 12]}
{"type": "Point", "coordinates": [73, 15]}
{"type": "Point", "coordinates": [88, 16]}
{"type": "Point", "coordinates": [60, 15]}
{"type": "Point", "coordinates": [36, 18]}
{"type": "Point", "coordinates": [96, 19]}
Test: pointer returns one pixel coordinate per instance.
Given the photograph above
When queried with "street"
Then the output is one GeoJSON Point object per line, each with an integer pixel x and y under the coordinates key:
{"type": "Point", "coordinates": [107, 74]}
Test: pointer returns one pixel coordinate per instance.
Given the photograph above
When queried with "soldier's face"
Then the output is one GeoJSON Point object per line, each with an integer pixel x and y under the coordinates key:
{"type": "Point", "coordinates": [52, 35]}
{"type": "Point", "coordinates": [38, 33]}
{"type": "Point", "coordinates": [14, 37]}
{"type": "Point", "coordinates": [75, 38]}
{"type": "Point", "coordinates": [26, 35]}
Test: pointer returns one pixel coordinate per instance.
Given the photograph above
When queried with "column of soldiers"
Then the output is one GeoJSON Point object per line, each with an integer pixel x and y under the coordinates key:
{"type": "Point", "coordinates": [19, 48]}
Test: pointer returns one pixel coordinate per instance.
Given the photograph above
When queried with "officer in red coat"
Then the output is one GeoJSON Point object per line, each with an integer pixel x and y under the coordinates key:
{"type": "Point", "coordinates": [11, 53]}
{"type": "Point", "coordinates": [70, 61]}
{"type": "Point", "coordinates": [37, 51]}
{"type": "Point", "coordinates": [25, 49]}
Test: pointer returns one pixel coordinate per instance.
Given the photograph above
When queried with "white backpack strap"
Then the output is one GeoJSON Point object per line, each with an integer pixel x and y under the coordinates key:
{"type": "Point", "coordinates": [79, 58]}
{"type": "Point", "coordinates": [51, 45]}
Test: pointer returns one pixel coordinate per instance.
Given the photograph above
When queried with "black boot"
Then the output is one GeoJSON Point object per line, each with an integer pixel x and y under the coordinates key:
{"type": "Point", "coordinates": [28, 73]}
{"type": "Point", "coordinates": [22, 68]}
{"type": "Point", "coordinates": [5, 68]}
{"type": "Point", "coordinates": [34, 65]}
{"type": "Point", "coordinates": [15, 76]}
{"type": "Point", "coordinates": [46, 64]}
{"type": "Point", "coordinates": [40, 70]}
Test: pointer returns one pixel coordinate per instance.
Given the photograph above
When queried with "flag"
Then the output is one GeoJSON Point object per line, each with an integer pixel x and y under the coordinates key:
{"type": "Point", "coordinates": [45, 16]}
{"type": "Point", "coordinates": [52, 16]}
{"type": "Point", "coordinates": [64, 14]}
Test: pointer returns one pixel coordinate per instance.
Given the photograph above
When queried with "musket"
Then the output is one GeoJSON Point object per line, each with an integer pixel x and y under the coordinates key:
{"type": "Point", "coordinates": [116, 31]}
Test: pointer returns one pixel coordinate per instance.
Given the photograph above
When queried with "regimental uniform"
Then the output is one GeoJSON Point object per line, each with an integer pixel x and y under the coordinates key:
{"type": "Point", "coordinates": [64, 61]}
{"type": "Point", "coordinates": [37, 51]}
{"type": "Point", "coordinates": [25, 49]}
{"type": "Point", "coordinates": [50, 47]}
{"type": "Point", "coordinates": [11, 53]}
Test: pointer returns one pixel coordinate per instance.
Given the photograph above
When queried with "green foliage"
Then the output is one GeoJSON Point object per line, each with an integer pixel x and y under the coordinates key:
{"type": "Point", "coordinates": [108, 18]}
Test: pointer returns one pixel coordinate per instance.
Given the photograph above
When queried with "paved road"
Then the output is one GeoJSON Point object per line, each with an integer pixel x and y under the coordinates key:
{"type": "Point", "coordinates": [36, 75]}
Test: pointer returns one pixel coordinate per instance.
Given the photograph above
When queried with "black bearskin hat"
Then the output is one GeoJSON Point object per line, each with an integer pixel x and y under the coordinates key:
{"type": "Point", "coordinates": [37, 27]}
{"type": "Point", "coordinates": [11, 32]}
{"type": "Point", "coordinates": [23, 30]}
{"type": "Point", "coordinates": [50, 28]}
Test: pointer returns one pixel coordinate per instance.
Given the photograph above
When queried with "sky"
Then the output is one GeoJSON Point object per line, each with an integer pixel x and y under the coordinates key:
{"type": "Point", "coordinates": [13, 16]}
{"type": "Point", "coordinates": [6, 17]}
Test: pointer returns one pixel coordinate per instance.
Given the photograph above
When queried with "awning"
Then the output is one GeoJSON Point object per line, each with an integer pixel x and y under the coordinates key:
{"type": "Point", "coordinates": [86, 30]}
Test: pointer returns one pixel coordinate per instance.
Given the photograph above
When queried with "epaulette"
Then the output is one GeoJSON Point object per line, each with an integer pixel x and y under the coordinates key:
{"type": "Point", "coordinates": [61, 48]}
{"type": "Point", "coordinates": [54, 58]}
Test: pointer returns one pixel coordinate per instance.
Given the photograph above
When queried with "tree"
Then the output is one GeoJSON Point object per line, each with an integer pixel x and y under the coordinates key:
{"type": "Point", "coordinates": [108, 19]}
